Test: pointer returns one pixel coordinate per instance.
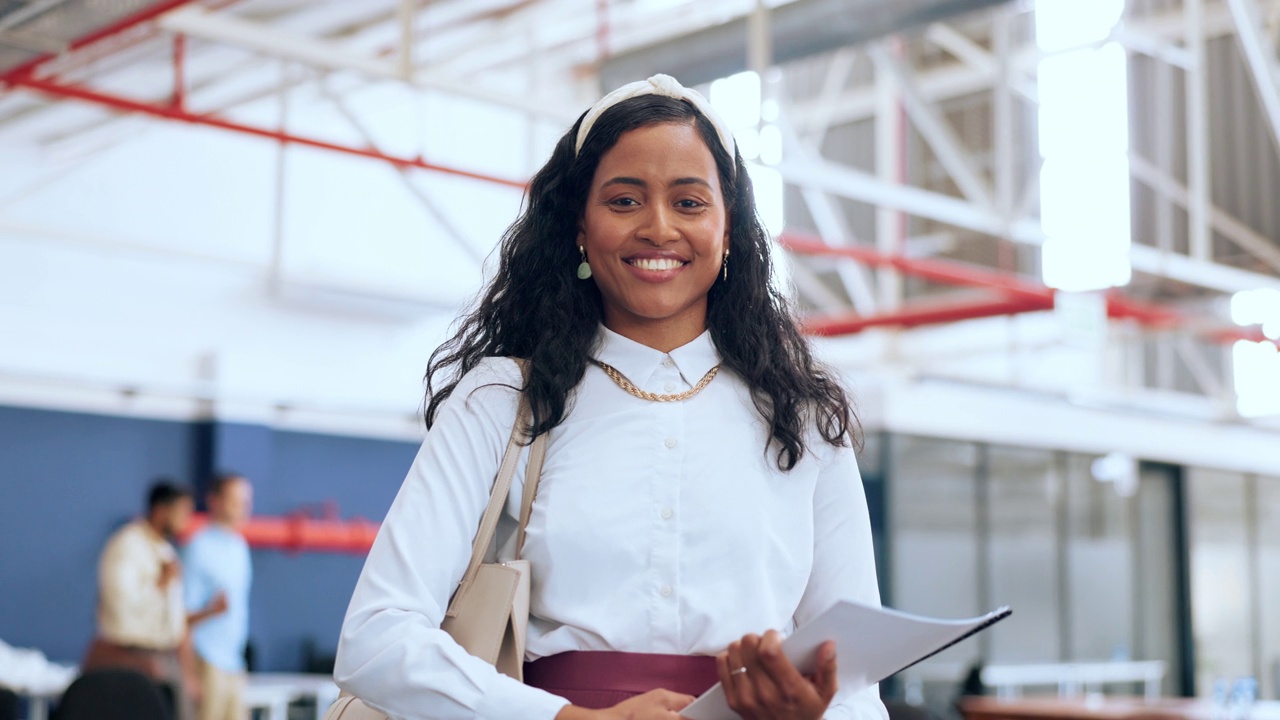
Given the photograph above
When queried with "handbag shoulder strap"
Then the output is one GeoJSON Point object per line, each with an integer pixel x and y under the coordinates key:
{"type": "Point", "coordinates": [532, 475]}
{"type": "Point", "coordinates": [501, 488]}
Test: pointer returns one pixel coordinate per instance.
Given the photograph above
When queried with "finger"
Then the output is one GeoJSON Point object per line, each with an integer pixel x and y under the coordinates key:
{"type": "Point", "coordinates": [768, 694]}
{"type": "Point", "coordinates": [825, 680]}
{"type": "Point", "coordinates": [749, 646]}
{"type": "Point", "coordinates": [754, 675]}
{"type": "Point", "coordinates": [722, 670]}
{"type": "Point", "coordinates": [779, 685]}
{"type": "Point", "coordinates": [675, 701]}
{"type": "Point", "coordinates": [738, 692]}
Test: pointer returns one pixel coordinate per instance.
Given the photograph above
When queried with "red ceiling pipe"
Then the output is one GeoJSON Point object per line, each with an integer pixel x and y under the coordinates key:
{"type": "Point", "coordinates": [116, 102]}
{"type": "Point", "coordinates": [916, 314]}
{"type": "Point", "coordinates": [939, 271]}
{"type": "Point", "coordinates": [126, 23]}
{"type": "Point", "coordinates": [1249, 333]}
{"type": "Point", "coordinates": [299, 533]}
{"type": "Point", "coordinates": [1119, 306]}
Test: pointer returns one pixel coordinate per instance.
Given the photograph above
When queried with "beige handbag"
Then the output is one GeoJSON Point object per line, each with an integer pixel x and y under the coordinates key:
{"type": "Point", "coordinates": [489, 613]}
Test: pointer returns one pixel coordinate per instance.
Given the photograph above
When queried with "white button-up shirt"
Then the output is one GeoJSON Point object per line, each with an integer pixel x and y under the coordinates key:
{"type": "Point", "coordinates": [658, 528]}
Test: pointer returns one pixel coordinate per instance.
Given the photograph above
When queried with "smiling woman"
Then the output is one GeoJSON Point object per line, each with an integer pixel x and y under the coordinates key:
{"type": "Point", "coordinates": [656, 234]}
{"type": "Point", "coordinates": [699, 496]}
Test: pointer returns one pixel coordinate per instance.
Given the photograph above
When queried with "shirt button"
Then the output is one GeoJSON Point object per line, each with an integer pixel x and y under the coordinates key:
{"type": "Point", "coordinates": [669, 387]}
{"type": "Point", "coordinates": [666, 513]}
{"type": "Point", "coordinates": [671, 442]}
{"type": "Point", "coordinates": [666, 591]}
{"type": "Point", "coordinates": [668, 363]}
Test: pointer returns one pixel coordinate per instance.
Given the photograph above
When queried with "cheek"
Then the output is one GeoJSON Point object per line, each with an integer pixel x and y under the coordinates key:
{"type": "Point", "coordinates": [602, 238]}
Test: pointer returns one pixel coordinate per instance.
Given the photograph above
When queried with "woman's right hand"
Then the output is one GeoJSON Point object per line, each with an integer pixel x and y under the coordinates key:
{"type": "Point", "coordinates": [653, 705]}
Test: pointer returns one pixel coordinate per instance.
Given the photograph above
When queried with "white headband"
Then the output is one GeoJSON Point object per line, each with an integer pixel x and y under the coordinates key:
{"type": "Point", "coordinates": [657, 85]}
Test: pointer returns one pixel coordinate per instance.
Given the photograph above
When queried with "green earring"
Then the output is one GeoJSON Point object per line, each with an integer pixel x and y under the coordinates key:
{"type": "Point", "coordinates": [584, 268]}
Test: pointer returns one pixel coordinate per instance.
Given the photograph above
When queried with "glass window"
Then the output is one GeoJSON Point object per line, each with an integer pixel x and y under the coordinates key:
{"type": "Point", "coordinates": [934, 549]}
{"type": "Point", "coordinates": [1220, 605]}
{"type": "Point", "coordinates": [1022, 498]}
{"type": "Point", "coordinates": [1268, 574]}
{"type": "Point", "coordinates": [1155, 572]}
{"type": "Point", "coordinates": [1082, 547]}
{"type": "Point", "coordinates": [1099, 565]}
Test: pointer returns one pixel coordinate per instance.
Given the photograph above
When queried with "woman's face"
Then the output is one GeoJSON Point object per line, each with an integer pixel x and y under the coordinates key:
{"type": "Point", "coordinates": [655, 230]}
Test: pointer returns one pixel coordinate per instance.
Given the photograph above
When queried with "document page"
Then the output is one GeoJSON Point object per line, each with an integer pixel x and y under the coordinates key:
{"type": "Point", "coordinates": [871, 644]}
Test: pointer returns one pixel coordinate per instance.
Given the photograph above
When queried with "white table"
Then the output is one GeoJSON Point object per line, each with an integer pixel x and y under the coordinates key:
{"type": "Point", "coordinates": [273, 692]}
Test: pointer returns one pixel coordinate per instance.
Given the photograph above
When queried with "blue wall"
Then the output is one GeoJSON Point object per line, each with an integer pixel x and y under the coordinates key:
{"type": "Point", "coordinates": [67, 480]}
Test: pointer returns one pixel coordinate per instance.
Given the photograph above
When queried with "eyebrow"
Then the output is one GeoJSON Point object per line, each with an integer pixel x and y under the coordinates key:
{"type": "Point", "coordinates": [622, 180]}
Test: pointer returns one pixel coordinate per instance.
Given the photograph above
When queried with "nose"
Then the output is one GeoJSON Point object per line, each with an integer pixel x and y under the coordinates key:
{"type": "Point", "coordinates": [658, 225]}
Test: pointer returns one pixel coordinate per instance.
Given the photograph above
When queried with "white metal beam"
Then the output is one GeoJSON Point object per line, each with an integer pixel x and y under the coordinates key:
{"type": "Point", "coordinates": [30, 11]}
{"type": "Point", "coordinates": [1201, 273]}
{"type": "Point", "coordinates": [1152, 46]}
{"type": "Point", "coordinates": [31, 43]}
{"type": "Point", "coordinates": [405, 12]}
{"type": "Point", "coordinates": [831, 224]}
{"type": "Point", "coordinates": [971, 53]}
{"type": "Point", "coordinates": [221, 27]}
{"type": "Point", "coordinates": [891, 153]}
{"type": "Point", "coordinates": [1206, 378]}
{"type": "Point", "coordinates": [959, 79]}
{"type": "Point", "coordinates": [1249, 240]}
{"type": "Point", "coordinates": [858, 185]}
{"type": "Point", "coordinates": [811, 287]}
{"type": "Point", "coordinates": [1004, 169]}
{"type": "Point", "coordinates": [942, 139]}
{"type": "Point", "coordinates": [839, 67]}
{"type": "Point", "coordinates": [939, 85]}
{"type": "Point", "coordinates": [567, 30]}
{"type": "Point", "coordinates": [1260, 57]}
{"type": "Point", "coordinates": [1200, 234]}
{"type": "Point", "coordinates": [1162, 136]}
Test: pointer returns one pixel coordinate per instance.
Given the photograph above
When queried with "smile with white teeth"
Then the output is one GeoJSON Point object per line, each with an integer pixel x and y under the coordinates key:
{"type": "Point", "coordinates": [657, 264]}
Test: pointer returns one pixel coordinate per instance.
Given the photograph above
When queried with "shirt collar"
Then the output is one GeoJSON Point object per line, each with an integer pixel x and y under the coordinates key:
{"type": "Point", "coordinates": [638, 362]}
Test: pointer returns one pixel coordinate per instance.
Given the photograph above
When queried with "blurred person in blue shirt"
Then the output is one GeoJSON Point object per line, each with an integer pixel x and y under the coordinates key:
{"type": "Point", "coordinates": [217, 575]}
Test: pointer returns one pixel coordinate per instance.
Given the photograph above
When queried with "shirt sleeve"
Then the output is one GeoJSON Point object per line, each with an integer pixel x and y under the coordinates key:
{"type": "Point", "coordinates": [392, 653]}
{"type": "Point", "coordinates": [196, 589]}
{"type": "Point", "coordinates": [843, 566]}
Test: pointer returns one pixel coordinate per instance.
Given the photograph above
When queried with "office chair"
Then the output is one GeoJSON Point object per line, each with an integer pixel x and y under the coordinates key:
{"type": "Point", "coordinates": [112, 694]}
{"type": "Point", "coordinates": [8, 704]}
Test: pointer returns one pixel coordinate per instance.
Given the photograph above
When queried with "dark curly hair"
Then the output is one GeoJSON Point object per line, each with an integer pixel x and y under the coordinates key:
{"type": "Point", "coordinates": [536, 308]}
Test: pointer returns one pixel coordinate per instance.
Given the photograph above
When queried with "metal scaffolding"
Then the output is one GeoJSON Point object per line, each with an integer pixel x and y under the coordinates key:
{"type": "Point", "coordinates": [911, 160]}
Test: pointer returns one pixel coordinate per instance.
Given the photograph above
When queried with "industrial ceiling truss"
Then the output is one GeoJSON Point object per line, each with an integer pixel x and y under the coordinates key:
{"type": "Point", "coordinates": [910, 155]}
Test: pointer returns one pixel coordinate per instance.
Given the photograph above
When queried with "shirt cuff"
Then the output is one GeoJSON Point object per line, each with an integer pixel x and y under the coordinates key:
{"type": "Point", "coordinates": [507, 699]}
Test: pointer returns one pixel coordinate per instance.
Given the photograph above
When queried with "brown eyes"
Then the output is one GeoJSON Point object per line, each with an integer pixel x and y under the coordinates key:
{"type": "Point", "coordinates": [686, 204]}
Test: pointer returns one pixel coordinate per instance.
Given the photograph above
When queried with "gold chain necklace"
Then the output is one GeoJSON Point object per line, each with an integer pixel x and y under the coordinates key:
{"type": "Point", "coordinates": [630, 387]}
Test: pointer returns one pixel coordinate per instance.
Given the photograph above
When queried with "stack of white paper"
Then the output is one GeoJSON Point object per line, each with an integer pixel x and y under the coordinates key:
{"type": "Point", "coordinates": [871, 644]}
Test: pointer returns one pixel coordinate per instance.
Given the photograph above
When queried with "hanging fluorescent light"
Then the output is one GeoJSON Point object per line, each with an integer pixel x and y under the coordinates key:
{"type": "Point", "coordinates": [1256, 365]}
{"type": "Point", "coordinates": [1084, 140]}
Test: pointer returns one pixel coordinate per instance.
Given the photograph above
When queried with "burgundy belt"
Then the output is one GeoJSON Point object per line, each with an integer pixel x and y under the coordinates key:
{"type": "Point", "coordinates": [598, 680]}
